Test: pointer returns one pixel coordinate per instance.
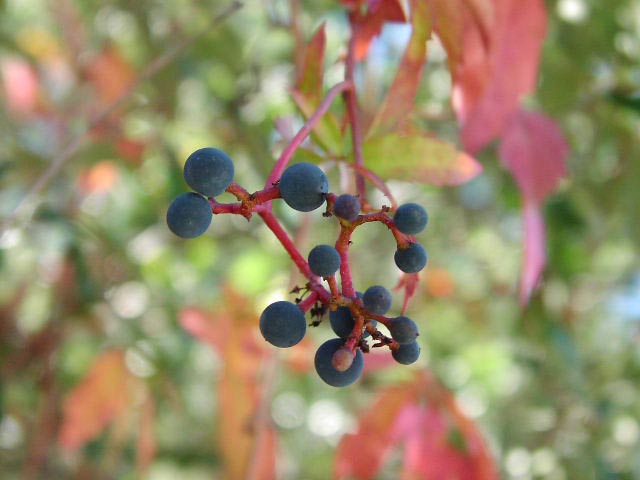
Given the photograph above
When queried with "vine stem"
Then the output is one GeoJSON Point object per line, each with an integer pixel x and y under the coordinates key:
{"type": "Point", "coordinates": [306, 129]}
{"type": "Point", "coordinates": [272, 223]}
{"type": "Point", "coordinates": [342, 246]}
{"type": "Point", "coordinates": [351, 99]}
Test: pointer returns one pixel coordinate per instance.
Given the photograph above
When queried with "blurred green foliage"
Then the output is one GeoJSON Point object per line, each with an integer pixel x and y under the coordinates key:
{"type": "Point", "coordinates": [555, 386]}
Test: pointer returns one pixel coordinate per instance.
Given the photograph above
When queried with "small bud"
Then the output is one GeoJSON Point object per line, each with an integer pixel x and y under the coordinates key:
{"type": "Point", "coordinates": [342, 359]}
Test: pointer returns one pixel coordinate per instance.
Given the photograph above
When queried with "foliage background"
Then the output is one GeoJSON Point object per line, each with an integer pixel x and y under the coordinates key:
{"type": "Point", "coordinates": [553, 386]}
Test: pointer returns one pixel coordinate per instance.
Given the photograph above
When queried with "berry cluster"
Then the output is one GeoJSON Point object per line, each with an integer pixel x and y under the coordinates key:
{"type": "Point", "coordinates": [354, 316]}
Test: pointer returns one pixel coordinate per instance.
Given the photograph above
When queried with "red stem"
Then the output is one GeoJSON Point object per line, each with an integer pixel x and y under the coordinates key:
{"type": "Point", "coordinates": [402, 240]}
{"type": "Point", "coordinates": [342, 246]}
{"type": "Point", "coordinates": [273, 224]}
{"type": "Point", "coordinates": [333, 286]}
{"type": "Point", "coordinates": [308, 302]}
{"type": "Point", "coordinates": [351, 99]}
{"type": "Point", "coordinates": [304, 132]}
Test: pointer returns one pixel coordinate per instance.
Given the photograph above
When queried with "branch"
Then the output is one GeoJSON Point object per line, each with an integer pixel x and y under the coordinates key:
{"type": "Point", "coordinates": [351, 99]}
{"type": "Point", "coordinates": [304, 132]}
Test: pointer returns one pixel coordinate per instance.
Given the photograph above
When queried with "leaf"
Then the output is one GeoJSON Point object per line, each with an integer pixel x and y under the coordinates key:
{"type": "Point", "coordinates": [99, 178]}
{"type": "Point", "coordinates": [103, 395]}
{"type": "Point", "coordinates": [20, 84]}
{"type": "Point", "coordinates": [422, 418]}
{"type": "Point", "coordinates": [448, 22]}
{"type": "Point", "coordinates": [146, 445]}
{"type": "Point", "coordinates": [533, 149]}
{"type": "Point", "coordinates": [361, 455]}
{"type": "Point", "coordinates": [232, 333]}
{"type": "Point", "coordinates": [489, 84]}
{"type": "Point", "coordinates": [439, 282]}
{"type": "Point", "coordinates": [409, 282]}
{"type": "Point", "coordinates": [309, 80]}
{"type": "Point", "coordinates": [416, 157]}
{"type": "Point", "coordinates": [399, 101]}
{"type": "Point", "coordinates": [534, 252]}
{"type": "Point", "coordinates": [111, 74]}
{"type": "Point", "coordinates": [367, 24]}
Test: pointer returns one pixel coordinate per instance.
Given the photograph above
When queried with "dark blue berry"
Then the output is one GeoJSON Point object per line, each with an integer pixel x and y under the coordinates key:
{"type": "Point", "coordinates": [189, 215]}
{"type": "Point", "coordinates": [324, 260]}
{"type": "Point", "coordinates": [326, 371]}
{"type": "Point", "coordinates": [208, 171]}
{"type": "Point", "coordinates": [407, 354]}
{"type": "Point", "coordinates": [347, 207]}
{"type": "Point", "coordinates": [403, 330]}
{"type": "Point", "coordinates": [411, 259]}
{"type": "Point", "coordinates": [342, 322]}
{"type": "Point", "coordinates": [410, 218]}
{"type": "Point", "coordinates": [283, 324]}
{"type": "Point", "coordinates": [377, 300]}
{"type": "Point", "coordinates": [303, 186]}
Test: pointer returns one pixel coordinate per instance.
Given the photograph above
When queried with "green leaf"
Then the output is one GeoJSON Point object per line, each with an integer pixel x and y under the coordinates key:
{"type": "Point", "coordinates": [420, 158]}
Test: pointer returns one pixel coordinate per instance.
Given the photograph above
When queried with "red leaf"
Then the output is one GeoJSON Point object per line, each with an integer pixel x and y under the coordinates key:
{"type": "Point", "coordinates": [361, 455]}
{"type": "Point", "coordinates": [21, 86]}
{"type": "Point", "coordinates": [111, 74]}
{"type": "Point", "coordinates": [366, 26]}
{"type": "Point", "coordinates": [534, 253]}
{"type": "Point", "coordinates": [439, 282]}
{"type": "Point", "coordinates": [534, 150]}
{"type": "Point", "coordinates": [232, 332]}
{"type": "Point", "coordinates": [199, 324]}
{"type": "Point", "coordinates": [422, 417]}
{"type": "Point", "coordinates": [400, 98]}
{"type": "Point", "coordinates": [99, 178]}
{"type": "Point", "coordinates": [310, 77]}
{"type": "Point", "coordinates": [488, 84]}
{"type": "Point", "coordinates": [102, 396]}
{"type": "Point", "coordinates": [146, 445]}
{"type": "Point", "coordinates": [408, 282]}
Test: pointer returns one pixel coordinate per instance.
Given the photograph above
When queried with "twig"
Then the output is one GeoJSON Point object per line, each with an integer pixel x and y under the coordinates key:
{"type": "Point", "coordinates": [59, 160]}
{"type": "Point", "coordinates": [351, 99]}
{"type": "Point", "coordinates": [295, 142]}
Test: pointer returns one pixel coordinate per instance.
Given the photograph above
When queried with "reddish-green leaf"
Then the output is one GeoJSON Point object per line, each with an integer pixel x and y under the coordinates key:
{"type": "Point", "coordinates": [420, 158]}
{"type": "Point", "coordinates": [310, 78]}
{"type": "Point", "coordinates": [448, 22]}
{"type": "Point", "coordinates": [103, 395]}
{"type": "Point", "coordinates": [399, 101]}
{"type": "Point", "coordinates": [368, 24]}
